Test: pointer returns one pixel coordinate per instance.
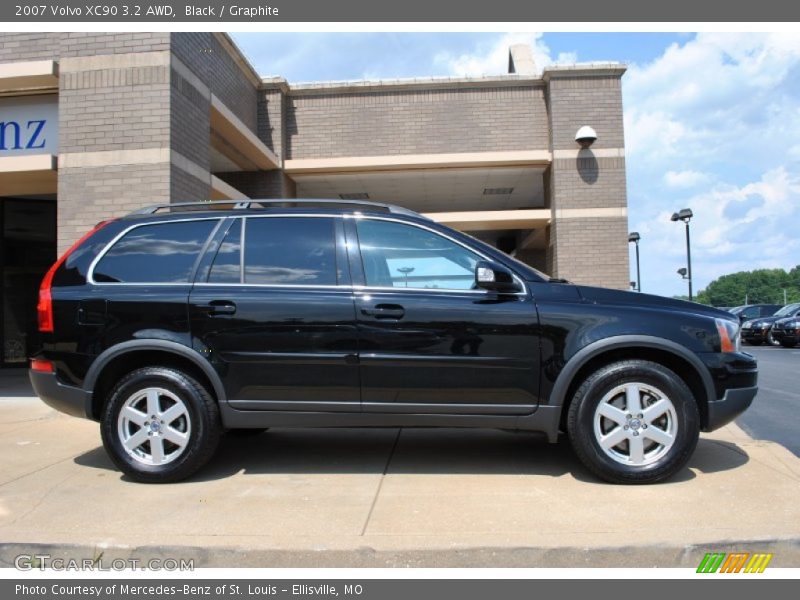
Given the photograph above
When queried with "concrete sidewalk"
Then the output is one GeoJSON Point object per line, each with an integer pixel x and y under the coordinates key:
{"type": "Point", "coordinates": [379, 497]}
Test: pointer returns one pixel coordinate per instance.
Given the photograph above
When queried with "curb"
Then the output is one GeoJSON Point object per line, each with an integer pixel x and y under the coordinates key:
{"type": "Point", "coordinates": [786, 554]}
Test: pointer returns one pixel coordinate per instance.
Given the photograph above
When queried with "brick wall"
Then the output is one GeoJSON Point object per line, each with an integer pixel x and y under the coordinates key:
{"type": "Point", "coordinates": [89, 195]}
{"type": "Point", "coordinates": [271, 111]}
{"type": "Point", "coordinates": [210, 62]}
{"type": "Point", "coordinates": [184, 187]}
{"type": "Point", "coordinates": [262, 184]}
{"type": "Point", "coordinates": [322, 125]}
{"type": "Point", "coordinates": [594, 251]}
{"type": "Point", "coordinates": [190, 126]}
{"type": "Point", "coordinates": [592, 100]}
{"type": "Point", "coordinates": [591, 250]}
{"type": "Point", "coordinates": [17, 47]}
{"type": "Point", "coordinates": [111, 109]}
{"type": "Point", "coordinates": [114, 109]}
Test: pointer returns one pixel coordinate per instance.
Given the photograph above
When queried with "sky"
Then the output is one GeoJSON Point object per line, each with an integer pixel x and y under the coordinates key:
{"type": "Point", "coordinates": [712, 123]}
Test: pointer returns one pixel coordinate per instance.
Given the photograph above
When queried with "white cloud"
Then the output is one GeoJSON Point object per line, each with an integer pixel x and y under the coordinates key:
{"type": "Point", "coordinates": [712, 124]}
{"type": "Point", "coordinates": [492, 58]}
{"type": "Point", "coordinates": [685, 179]}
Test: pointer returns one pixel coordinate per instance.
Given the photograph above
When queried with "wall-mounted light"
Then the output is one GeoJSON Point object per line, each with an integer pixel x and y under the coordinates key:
{"type": "Point", "coordinates": [586, 136]}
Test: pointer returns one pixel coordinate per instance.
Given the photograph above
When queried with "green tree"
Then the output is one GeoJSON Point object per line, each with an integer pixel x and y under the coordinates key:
{"type": "Point", "coordinates": [754, 287]}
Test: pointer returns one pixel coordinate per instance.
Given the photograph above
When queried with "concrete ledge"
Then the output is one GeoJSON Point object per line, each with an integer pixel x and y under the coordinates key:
{"type": "Point", "coordinates": [298, 166]}
{"type": "Point", "coordinates": [487, 220]}
{"type": "Point", "coordinates": [116, 61]}
{"type": "Point", "coordinates": [238, 135]}
{"type": "Point", "coordinates": [786, 554]}
{"type": "Point", "coordinates": [28, 174]}
{"type": "Point", "coordinates": [28, 76]}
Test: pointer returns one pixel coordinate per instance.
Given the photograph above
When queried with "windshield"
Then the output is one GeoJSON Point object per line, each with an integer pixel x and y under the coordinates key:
{"type": "Point", "coordinates": [787, 310]}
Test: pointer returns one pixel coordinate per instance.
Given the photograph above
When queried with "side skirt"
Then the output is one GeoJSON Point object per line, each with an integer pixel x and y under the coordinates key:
{"type": "Point", "coordinates": [545, 419]}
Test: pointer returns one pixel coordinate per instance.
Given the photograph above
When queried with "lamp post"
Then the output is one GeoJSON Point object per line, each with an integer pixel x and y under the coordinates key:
{"type": "Point", "coordinates": [685, 215]}
{"type": "Point", "coordinates": [634, 238]}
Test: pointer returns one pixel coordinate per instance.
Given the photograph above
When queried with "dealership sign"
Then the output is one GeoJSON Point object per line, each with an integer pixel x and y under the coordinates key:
{"type": "Point", "coordinates": [29, 125]}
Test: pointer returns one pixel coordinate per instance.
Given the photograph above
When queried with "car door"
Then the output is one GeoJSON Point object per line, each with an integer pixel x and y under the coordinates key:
{"type": "Point", "coordinates": [429, 342]}
{"type": "Point", "coordinates": [272, 308]}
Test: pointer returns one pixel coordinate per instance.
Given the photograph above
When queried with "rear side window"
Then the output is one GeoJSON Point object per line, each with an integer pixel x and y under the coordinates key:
{"type": "Point", "coordinates": [289, 251]}
{"type": "Point", "coordinates": [155, 253]}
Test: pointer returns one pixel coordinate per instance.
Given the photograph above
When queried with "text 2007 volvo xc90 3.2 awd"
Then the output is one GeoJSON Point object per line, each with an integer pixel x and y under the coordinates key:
{"type": "Point", "coordinates": [176, 323]}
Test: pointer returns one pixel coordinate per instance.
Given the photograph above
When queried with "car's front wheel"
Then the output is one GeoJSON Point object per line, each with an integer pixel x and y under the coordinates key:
{"type": "Point", "coordinates": [160, 425]}
{"type": "Point", "coordinates": [771, 339]}
{"type": "Point", "coordinates": [633, 421]}
{"type": "Point", "coordinates": [788, 344]}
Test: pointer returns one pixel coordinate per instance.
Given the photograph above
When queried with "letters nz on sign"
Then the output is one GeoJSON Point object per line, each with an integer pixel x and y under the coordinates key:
{"type": "Point", "coordinates": [29, 125]}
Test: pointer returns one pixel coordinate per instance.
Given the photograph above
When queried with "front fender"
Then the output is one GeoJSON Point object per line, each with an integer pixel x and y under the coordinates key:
{"type": "Point", "coordinates": [558, 394]}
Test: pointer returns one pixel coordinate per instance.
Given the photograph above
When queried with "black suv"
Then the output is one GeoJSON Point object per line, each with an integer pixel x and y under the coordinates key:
{"type": "Point", "coordinates": [178, 322]}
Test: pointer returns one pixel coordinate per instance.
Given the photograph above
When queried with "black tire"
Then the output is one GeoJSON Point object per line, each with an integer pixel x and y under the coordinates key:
{"type": "Point", "coordinates": [581, 422]}
{"type": "Point", "coordinates": [788, 344]}
{"type": "Point", "coordinates": [771, 340]}
{"type": "Point", "coordinates": [202, 415]}
{"type": "Point", "coordinates": [250, 432]}
{"type": "Point", "coordinates": [754, 342]}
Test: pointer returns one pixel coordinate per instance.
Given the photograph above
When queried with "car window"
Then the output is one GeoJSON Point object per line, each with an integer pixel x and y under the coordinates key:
{"type": "Point", "coordinates": [400, 255]}
{"type": "Point", "coordinates": [788, 310]}
{"type": "Point", "coordinates": [155, 253]}
{"type": "Point", "coordinates": [289, 251]}
{"type": "Point", "coordinates": [751, 312]}
{"type": "Point", "coordinates": [227, 265]}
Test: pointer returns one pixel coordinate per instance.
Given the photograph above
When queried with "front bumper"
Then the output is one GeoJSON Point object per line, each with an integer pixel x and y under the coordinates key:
{"type": "Point", "coordinates": [789, 336]}
{"type": "Point", "coordinates": [64, 398]}
{"type": "Point", "coordinates": [755, 335]}
{"type": "Point", "coordinates": [731, 405]}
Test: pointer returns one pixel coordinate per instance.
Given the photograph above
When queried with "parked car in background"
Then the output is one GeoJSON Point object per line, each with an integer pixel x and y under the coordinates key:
{"type": "Point", "coordinates": [786, 331]}
{"type": "Point", "coordinates": [753, 311]}
{"type": "Point", "coordinates": [760, 330]}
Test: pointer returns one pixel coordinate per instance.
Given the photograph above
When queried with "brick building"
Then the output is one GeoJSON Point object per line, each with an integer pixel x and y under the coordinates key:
{"type": "Point", "coordinates": [95, 125]}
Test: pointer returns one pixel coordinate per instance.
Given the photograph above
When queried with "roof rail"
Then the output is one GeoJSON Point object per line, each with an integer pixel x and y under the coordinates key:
{"type": "Point", "coordinates": [276, 203]}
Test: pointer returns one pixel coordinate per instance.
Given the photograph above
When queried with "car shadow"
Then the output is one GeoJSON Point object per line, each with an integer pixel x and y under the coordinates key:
{"type": "Point", "coordinates": [413, 451]}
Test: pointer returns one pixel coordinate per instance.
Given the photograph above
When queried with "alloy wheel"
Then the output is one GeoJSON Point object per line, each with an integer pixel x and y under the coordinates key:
{"type": "Point", "coordinates": [635, 424]}
{"type": "Point", "coordinates": [154, 426]}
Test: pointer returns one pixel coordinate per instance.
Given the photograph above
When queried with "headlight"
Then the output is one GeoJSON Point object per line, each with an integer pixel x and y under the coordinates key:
{"type": "Point", "coordinates": [728, 335]}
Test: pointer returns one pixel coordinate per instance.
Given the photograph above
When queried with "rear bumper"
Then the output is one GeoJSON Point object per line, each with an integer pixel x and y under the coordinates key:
{"type": "Point", "coordinates": [64, 398]}
{"type": "Point", "coordinates": [731, 405]}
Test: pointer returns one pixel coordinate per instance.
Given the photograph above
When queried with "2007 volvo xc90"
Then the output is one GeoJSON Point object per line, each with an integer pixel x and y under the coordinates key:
{"type": "Point", "coordinates": [178, 322]}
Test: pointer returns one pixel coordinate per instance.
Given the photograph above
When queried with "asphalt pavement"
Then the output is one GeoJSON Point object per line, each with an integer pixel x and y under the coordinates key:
{"type": "Point", "coordinates": [775, 413]}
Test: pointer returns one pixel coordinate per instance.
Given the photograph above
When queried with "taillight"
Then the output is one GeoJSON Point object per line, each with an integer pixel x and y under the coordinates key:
{"type": "Point", "coordinates": [44, 308]}
{"type": "Point", "coordinates": [42, 365]}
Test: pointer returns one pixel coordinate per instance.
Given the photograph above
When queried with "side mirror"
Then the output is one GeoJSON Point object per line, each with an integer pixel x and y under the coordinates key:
{"type": "Point", "coordinates": [494, 277]}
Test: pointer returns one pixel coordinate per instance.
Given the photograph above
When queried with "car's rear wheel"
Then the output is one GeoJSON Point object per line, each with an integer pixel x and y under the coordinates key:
{"type": "Point", "coordinates": [160, 425]}
{"type": "Point", "coordinates": [633, 421]}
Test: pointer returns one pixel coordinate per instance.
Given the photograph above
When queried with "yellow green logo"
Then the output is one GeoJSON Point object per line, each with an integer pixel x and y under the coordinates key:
{"type": "Point", "coordinates": [735, 562]}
